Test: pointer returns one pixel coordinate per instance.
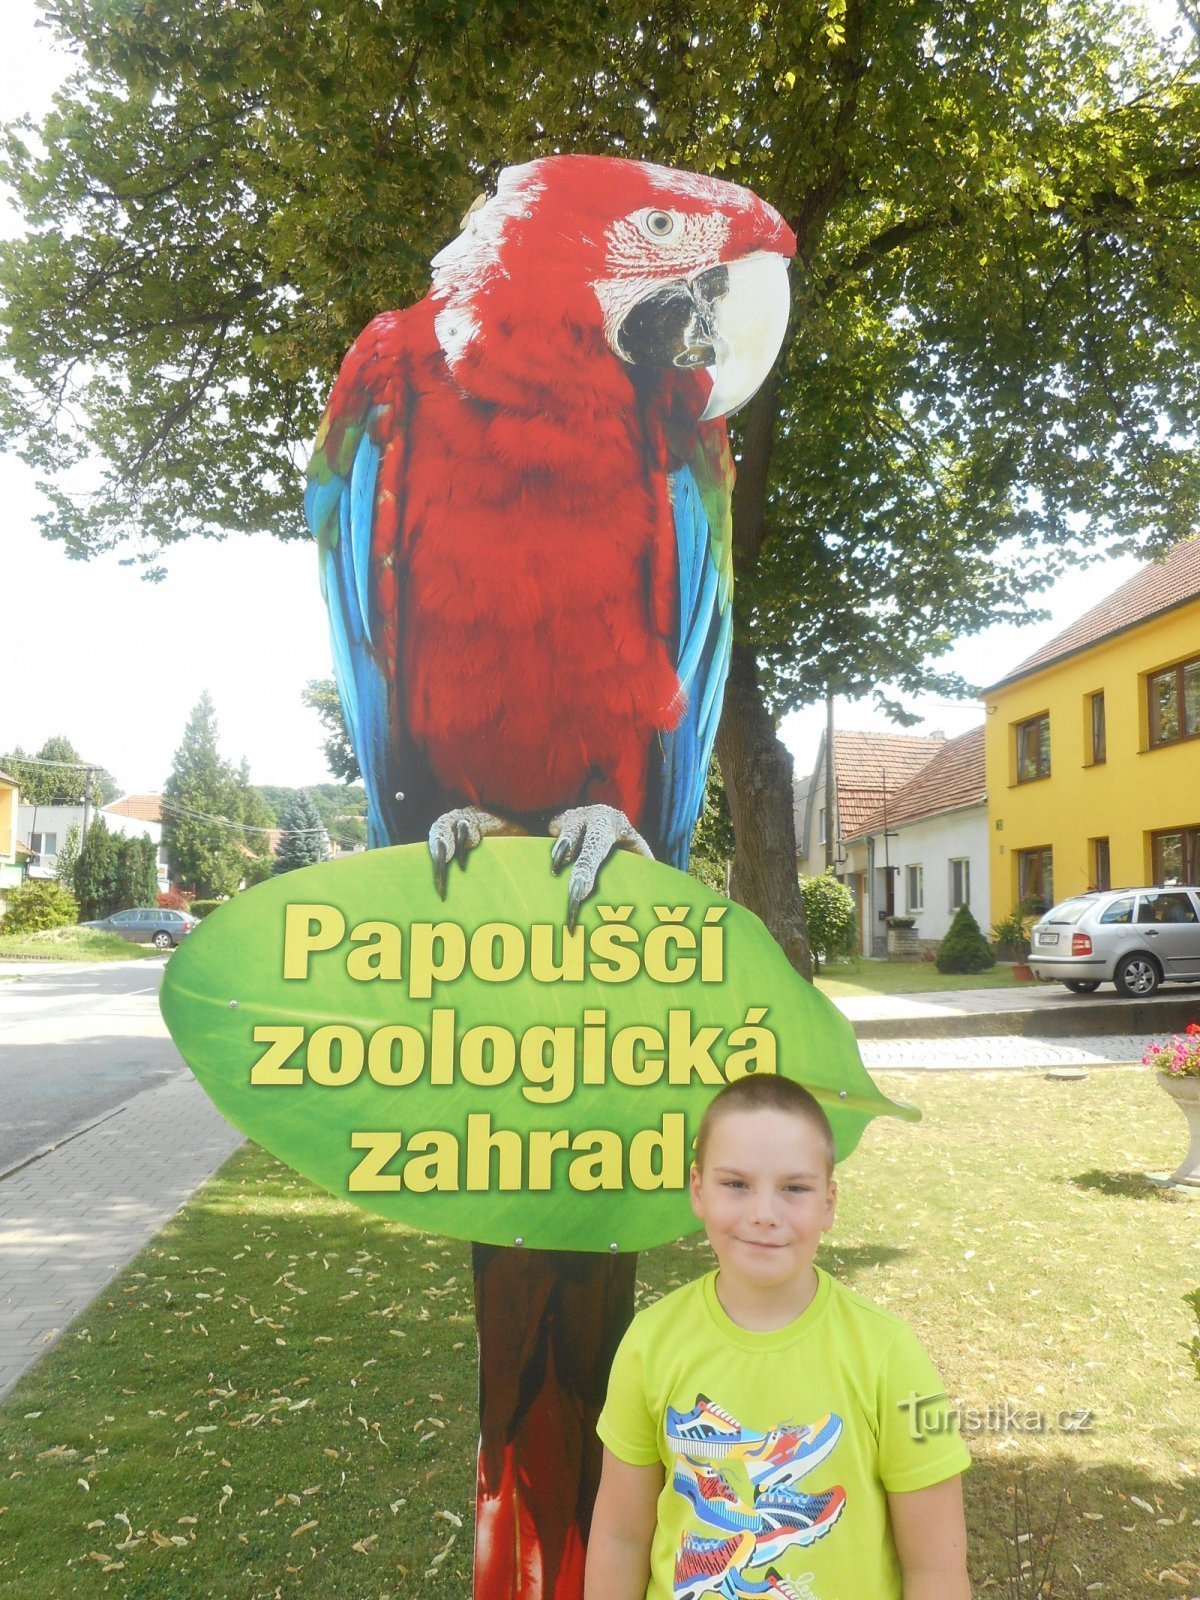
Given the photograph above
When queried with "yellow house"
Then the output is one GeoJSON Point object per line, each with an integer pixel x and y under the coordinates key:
{"type": "Point", "coordinates": [1092, 747]}
{"type": "Point", "coordinates": [10, 870]}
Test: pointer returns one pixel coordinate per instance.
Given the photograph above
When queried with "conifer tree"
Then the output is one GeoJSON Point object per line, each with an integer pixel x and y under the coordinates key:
{"type": "Point", "coordinates": [202, 811]}
{"type": "Point", "coordinates": [303, 841]}
{"type": "Point", "coordinates": [96, 873]}
{"type": "Point", "coordinates": [964, 949]}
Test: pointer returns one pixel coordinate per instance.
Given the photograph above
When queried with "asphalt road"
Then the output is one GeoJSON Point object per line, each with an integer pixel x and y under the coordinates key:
{"type": "Point", "coordinates": [75, 1043]}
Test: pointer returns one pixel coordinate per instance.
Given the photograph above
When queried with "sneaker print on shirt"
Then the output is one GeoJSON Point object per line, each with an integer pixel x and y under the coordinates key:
{"type": "Point", "coordinates": [746, 1512]}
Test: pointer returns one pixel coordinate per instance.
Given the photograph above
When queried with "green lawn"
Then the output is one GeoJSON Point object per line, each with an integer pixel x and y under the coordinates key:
{"type": "Point", "coordinates": [278, 1398]}
{"type": "Point", "coordinates": [856, 975]}
{"type": "Point", "coordinates": [71, 944]}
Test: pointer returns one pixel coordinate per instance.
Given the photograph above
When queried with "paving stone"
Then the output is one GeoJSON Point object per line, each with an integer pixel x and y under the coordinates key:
{"type": "Point", "coordinates": [72, 1218]}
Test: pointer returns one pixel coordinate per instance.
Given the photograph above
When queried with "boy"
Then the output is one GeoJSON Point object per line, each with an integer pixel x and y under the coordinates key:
{"type": "Point", "coordinates": [767, 1431]}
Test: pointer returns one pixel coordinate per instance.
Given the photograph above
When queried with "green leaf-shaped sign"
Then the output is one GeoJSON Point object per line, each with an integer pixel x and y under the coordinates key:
{"type": "Point", "coordinates": [470, 1067]}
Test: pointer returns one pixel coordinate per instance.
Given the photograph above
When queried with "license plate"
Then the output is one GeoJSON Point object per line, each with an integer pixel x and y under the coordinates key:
{"type": "Point", "coordinates": [1047, 938]}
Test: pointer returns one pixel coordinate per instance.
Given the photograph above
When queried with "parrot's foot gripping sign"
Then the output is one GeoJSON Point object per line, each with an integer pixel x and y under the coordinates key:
{"type": "Point", "coordinates": [586, 837]}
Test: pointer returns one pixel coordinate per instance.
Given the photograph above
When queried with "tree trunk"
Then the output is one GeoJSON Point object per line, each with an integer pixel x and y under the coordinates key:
{"type": "Point", "coordinates": [757, 770]}
{"type": "Point", "coordinates": [756, 767]}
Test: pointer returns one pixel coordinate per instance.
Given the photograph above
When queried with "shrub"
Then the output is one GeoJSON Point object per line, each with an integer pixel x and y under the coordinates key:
{"type": "Point", "coordinates": [173, 900]}
{"type": "Point", "coordinates": [964, 949]}
{"type": "Point", "coordinates": [39, 905]}
{"type": "Point", "coordinates": [829, 915]}
{"type": "Point", "coordinates": [201, 908]}
{"type": "Point", "coordinates": [1010, 936]}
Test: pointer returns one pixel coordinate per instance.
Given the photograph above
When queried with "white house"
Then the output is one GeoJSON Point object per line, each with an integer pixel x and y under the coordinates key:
{"type": "Point", "coordinates": [44, 829]}
{"type": "Point", "coordinates": [923, 851]}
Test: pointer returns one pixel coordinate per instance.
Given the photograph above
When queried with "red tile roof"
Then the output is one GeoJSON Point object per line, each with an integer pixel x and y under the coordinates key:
{"type": "Point", "coordinates": [141, 807]}
{"type": "Point", "coordinates": [951, 780]}
{"type": "Point", "coordinates": [1158, 587]}
{"type": "Point", "coordinates": [868, 764]}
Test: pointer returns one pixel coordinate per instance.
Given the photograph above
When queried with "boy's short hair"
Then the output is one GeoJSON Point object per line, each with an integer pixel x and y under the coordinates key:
{"type": "Point", "coordinates": [765, 1091]}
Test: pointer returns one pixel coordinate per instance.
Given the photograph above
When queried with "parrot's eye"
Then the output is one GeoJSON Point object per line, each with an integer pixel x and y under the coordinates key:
{"type": "Point", "coordinates": [659, 224]}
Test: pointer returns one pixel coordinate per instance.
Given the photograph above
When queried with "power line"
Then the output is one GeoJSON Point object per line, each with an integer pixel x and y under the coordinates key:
{"type": "Point", "coordinates": [176, 808]}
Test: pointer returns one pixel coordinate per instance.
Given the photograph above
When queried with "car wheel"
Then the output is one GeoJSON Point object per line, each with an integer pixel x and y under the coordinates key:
{"type": "Point", "coordinates": [163, 940]}
{"type": "Point", "coordinates": [1137, 976]}
{"type": "Point", "coordinates": [1081, 985]}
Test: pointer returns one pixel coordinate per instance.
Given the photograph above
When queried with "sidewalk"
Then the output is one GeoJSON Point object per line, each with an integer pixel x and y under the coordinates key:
{"type": "Point", "coordinates": [73, 1216]}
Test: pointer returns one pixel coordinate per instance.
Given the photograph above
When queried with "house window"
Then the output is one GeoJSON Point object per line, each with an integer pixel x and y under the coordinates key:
{"type": "Point", "coordinates": [914, 888]}
{"type": "Point", "coordinates": [1101, 864]}
{"type": "Point", "coordinates": [1175, 703]}
{"type": "Point", "coordinates": [1099, 740]}
{"type": "Point", "coordinates": [45, 846]}
{"type": "Point", "coordinates": [821, 826]}
{"type": "Point", "coordinates": [960, 883]}
{"type": "Point", "coordinates": [1175, 856]}
{"type": "Point", "coordinates": [1033, 748]}
{"type": "Point", "coordinates": [1035, 878]}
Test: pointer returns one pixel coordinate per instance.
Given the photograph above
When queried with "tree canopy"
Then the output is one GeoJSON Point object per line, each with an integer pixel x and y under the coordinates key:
{"type": "Point", "coordinates": [215, 827]}
{"type": "Point", "coordinates": [303, 841]}
{"type": "Point", "coordinates": [991, 363]}
{"type": "Point", "coordinates": [57, 775]}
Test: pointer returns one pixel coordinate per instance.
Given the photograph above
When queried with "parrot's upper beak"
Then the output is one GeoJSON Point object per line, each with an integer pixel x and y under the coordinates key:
{"type": "Point", "coordinates": [748, 323]}
{"type": "Point", "coordinates": [730, 319]}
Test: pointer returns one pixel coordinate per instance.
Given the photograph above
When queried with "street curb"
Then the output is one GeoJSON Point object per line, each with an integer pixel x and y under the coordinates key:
{"type": "Point", "coordinates": [57, 1144]}
{"type": "Point", "coordinates": [1084, 1018]}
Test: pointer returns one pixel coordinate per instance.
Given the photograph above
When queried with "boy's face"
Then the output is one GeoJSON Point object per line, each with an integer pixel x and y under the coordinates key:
{"type": "Point", "coordinates": [765, 1196]}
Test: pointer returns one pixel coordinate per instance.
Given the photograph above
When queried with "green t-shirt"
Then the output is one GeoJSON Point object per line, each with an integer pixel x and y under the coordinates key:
{"type": "Point", "coordinates": [780, 1447]}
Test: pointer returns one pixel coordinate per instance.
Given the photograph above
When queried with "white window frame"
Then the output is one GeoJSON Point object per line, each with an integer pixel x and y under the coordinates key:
{"type": "Point", "coordinates": [965, 863]}
{"type": "Point", "coordinates": [917, 904]}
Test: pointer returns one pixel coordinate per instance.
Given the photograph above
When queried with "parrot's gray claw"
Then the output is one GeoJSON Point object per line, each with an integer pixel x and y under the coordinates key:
{"type": "Point", "coordinates": [455, 834]}
{"type": "Point", "coordinates": [587, 835]}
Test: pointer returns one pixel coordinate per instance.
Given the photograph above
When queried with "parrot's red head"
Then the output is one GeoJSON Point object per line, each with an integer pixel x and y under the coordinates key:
{"type": "Point", "coordinates": [583, 258]}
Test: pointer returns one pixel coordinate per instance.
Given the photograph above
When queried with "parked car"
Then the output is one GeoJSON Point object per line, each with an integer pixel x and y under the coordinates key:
{"type": "Point", "coordinates": [1134, 938]}
{"type": "Point", "coordinates": [148, 925]}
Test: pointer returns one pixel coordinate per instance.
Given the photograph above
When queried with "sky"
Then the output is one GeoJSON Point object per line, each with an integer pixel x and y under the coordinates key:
{"type": "Point", "coordinates": [94, 652]}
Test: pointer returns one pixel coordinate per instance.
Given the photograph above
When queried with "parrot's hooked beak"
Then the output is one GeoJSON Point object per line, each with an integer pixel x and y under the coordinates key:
{"type": "Point", "coordinates": [730, 319]}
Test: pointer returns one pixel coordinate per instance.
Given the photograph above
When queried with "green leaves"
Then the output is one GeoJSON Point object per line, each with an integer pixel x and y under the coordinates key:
{"type": "Point", "coordinates": [995, 334]}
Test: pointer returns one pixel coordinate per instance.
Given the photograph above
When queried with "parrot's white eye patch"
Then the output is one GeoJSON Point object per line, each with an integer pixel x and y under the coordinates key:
{"type": "Point", "coordinates": [657, 224]}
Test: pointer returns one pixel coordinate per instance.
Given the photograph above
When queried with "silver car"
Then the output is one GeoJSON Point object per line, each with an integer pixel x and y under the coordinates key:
{"type": "Point", "coordinates": [1134, 938]}
{"type": "Point", "coordinates": [148, 925]}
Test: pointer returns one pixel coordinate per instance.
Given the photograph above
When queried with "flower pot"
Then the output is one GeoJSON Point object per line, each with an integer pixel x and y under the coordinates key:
{"type": "Point", "coordinates": [1186, 1094]}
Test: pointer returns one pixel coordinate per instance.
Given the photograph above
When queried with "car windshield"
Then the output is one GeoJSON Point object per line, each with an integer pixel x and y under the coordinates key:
{"type": "Point", "coordinates": [1069, 911]}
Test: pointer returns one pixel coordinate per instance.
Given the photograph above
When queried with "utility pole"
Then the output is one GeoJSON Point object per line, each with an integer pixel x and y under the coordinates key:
{"type": "Point", "coordinates": [87, 809]}
{"type": "Point", "coordinates": [830, 790]}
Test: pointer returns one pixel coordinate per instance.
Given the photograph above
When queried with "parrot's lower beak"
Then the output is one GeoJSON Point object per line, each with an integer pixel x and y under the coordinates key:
{"type": "Point", "coordinates": [747, 321]}
{"type": "Point", "coordinates": [668, 327]}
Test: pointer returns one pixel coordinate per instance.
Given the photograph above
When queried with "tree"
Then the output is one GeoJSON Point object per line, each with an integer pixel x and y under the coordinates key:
{"type": "Point", "coordinates": [321, 696]}
{"type": "Point", "coordinates": [712, 841]}
{"type": "Point", "coordinates": [828, 915]}
{"type": "Point", "coordinates": [135, 873]}
{"type": "Point", "coordinates": [964, 949]}
{"type": "Point", "coordinates": [256, 818]}
{"type": "Point", "coordinates": [993, 347]}
{"type": "Point", "coordinates": [96, 873]}
{"type": "Point", "coordinates": [57, 776]}
{"type": "Point", "coordinates": [202, 811]}
{"type": "Point", "coordinates": [67, 857]}
{"type": "Point", "coordinates": [303, 841]}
